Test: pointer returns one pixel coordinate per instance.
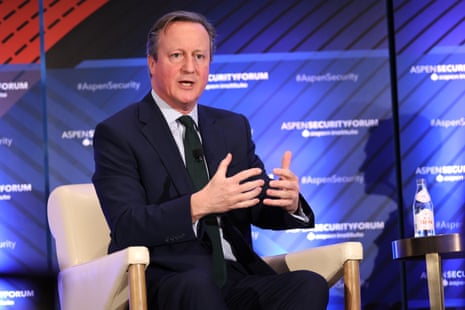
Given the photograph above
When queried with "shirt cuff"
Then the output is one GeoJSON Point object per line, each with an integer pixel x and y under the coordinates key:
{"type": "Point", "coordinates": [299, 214]}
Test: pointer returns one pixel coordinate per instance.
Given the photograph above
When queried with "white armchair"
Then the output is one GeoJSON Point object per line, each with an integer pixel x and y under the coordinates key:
{"type": "Point", "coordinates": [89, 278]}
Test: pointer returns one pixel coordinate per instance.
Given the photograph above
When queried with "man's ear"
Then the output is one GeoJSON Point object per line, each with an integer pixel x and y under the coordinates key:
{"type": "Point", "coordinates": [151, 63]}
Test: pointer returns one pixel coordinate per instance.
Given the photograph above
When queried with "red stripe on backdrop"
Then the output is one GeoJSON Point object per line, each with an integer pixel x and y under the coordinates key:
{"type": "Point", "coordinates": [61, 17]}
{"type": "Point", "coordinates": [19, 26]}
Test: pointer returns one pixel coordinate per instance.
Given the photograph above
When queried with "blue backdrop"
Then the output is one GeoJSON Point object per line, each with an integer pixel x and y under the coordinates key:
{"type": "Point", "coordinates": [313, 77]}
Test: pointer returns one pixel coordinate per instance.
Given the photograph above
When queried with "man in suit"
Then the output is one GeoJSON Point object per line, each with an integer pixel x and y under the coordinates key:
{"type": "Point", "coordinates": [149, 199]}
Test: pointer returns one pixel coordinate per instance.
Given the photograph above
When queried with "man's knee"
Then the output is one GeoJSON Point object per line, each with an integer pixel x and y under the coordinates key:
{"type": "Point", "coordinates": [188, 290]}
{"type": "Point", "coordinates": [312, 285]}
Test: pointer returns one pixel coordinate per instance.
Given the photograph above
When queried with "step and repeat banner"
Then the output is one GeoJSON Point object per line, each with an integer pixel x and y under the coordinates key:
{"type": "Point", "coordinates": [313, 77]}
{"type": "Point", "coordinates": [24, 242]}
{"type": "Point", "coordinates": [431, 85]}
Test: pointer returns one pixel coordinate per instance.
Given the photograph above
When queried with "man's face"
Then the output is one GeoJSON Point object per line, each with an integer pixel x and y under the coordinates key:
{"type": "Point", "coordinates": [180, 74]}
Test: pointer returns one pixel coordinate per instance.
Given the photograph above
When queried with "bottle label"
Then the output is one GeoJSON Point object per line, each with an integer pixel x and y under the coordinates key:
{"type": "Point", "coordinates": [423, 196]}
{"type": "Point", "coordinates": [424, 220]}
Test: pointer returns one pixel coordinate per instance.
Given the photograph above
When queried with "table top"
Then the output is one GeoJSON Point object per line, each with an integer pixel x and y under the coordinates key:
{"type": "Point", "coordinates": [448, 246]}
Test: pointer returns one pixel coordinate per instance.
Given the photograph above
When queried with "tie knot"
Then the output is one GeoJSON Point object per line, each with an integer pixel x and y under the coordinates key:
{"type": "Point", "coordinates": [187, 121]}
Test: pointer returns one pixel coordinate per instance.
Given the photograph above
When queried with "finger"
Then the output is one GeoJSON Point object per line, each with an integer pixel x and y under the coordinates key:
{"type": "Point", "coordinates": [283, 175]}
{"type": "Point", "coordinates": [282, 203]}
{"type": "Point", "coordinates": [286, 180]}
{"type": "Point", "coordinates": [248, 198]}
{"type": "Point", "coordinates": [251, 194]}
{"type": "Point", "coordinates": [286, 161]}
{"type": "Point", "coordinates": [250, 186]}
{"type": "Point", "coordinates": [223, 166]}
{"type": "Point", "coordinates": [246, 174]}
{"type": "Point", "coordinates": [246, 203]}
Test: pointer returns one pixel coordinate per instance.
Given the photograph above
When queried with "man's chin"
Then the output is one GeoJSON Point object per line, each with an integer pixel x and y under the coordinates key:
{"type": "Point", "coordinates": [185, 104]}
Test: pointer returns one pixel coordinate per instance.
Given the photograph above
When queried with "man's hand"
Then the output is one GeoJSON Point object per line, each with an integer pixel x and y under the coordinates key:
{"type": "Point", "coordinates": [222, 194]}
{"type": "Point", "coordinates": [284, 192]}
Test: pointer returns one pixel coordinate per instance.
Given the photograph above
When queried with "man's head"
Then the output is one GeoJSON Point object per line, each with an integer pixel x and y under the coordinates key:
{"type": "Point", "coordinates": [179, 52]}
{"type": "Point", "coordinates": [163, 22]}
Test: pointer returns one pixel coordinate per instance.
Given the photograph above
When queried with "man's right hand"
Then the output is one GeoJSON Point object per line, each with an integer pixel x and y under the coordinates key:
{"type": "Point", "coordinates": [222, 194]}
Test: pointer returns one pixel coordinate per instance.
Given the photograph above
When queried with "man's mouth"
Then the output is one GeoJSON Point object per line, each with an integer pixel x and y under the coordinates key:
{"type": "Point", "coordinates": [186, 83]}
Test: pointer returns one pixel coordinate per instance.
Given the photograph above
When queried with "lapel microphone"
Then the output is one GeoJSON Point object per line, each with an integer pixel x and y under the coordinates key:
{"type": "Point", "coordinates": [198, 154]}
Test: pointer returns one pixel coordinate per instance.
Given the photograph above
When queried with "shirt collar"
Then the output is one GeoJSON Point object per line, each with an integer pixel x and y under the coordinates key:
{"type": "Point", "coordinates": [170, 114]}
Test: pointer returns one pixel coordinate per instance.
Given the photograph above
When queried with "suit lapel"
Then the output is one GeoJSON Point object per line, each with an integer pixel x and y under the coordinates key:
{"type": "Point", "coordinates": [212, 139]}
{"type": "Point", "coordinates": [157, 132]}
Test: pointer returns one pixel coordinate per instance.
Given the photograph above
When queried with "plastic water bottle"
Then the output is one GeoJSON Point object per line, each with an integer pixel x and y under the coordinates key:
{"type": "Point", "coordinates": [423, 212]}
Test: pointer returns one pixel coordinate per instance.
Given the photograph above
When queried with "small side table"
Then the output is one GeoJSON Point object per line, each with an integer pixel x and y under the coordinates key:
{"type": "Point", "coordinates": [432, 249]}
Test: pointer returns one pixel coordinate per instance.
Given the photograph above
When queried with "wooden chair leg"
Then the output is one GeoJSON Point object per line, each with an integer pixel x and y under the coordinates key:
{"type": "Point", "coordinates": [137, 287]}
{"type": "Point", "coordinates": [352, 285]}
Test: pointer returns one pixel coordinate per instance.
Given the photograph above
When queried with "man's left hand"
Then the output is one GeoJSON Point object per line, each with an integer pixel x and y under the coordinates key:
{"type": "Point", "coordinates": [284, 192]}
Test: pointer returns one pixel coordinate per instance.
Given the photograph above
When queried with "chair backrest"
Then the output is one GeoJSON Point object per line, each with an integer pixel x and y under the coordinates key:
{"type": "Point", "coordinates": [77, 224]}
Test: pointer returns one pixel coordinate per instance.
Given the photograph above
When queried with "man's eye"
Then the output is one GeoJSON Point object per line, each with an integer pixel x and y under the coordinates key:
{"type": "Point", "coordinates": [200, 57]}
{"type": "Point", "coordinates": [176, 55]}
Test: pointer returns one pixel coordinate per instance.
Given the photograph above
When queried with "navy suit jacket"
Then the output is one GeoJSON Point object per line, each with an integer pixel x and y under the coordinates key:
{"type": "Point", "coordinates": [144, 188]}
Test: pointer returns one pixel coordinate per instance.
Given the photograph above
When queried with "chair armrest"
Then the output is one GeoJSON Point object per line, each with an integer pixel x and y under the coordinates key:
{"type": "Point", "coordinates": [327, 260]}
{"type": "Point", "coordinates": [330, 261]}
{"type": "Point", "coordinates": [102, 283]}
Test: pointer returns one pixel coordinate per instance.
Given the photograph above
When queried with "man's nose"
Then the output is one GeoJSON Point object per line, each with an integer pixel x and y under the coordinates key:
{"type": "Point", "coordinates": [189, 64]}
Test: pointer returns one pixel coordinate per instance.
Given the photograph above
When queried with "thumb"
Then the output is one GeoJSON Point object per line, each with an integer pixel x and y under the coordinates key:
{"type": "Point", "coordinates": [223, 166]}
{"type": "Point", "coordinates": [286, 161]}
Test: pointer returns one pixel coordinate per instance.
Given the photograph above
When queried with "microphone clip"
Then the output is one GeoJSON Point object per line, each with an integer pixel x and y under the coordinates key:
{"type": "Point", "coordinates": [198, 154]}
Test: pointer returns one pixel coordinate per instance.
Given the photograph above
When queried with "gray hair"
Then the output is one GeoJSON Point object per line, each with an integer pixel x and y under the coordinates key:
{"type": "Point", "coordinates": [163, 22]}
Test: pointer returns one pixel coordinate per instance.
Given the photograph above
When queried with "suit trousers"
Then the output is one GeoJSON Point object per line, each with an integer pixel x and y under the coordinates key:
{"type": "Point", "coordinates": [193, 290]}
